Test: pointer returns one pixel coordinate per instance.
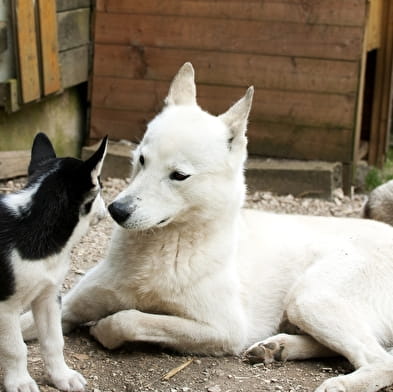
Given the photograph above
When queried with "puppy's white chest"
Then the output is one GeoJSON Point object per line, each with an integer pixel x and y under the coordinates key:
{"type": "Point", "coordinates": [32, 277]}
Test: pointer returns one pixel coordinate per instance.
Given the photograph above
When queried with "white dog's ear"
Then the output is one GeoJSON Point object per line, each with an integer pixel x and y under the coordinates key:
{"type": "Point", "coordinates": [236, 117]}
{"type": "Point", "coordinates": [182, 90]}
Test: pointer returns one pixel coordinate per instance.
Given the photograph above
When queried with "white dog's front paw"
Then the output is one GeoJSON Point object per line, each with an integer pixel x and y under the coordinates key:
{"type": "Point", "coordinates": [20, 384]}
{"type": "Point", "coordinates": [332, 385]}
{"type": "Point", "coordinates": [107, 332]}
{"type": "Point", "coordinates": [69, 380]}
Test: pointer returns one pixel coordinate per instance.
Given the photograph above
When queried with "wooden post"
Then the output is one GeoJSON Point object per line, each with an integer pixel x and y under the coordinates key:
{"type": "Point", "coordinates": [27, 50]}
{"type": "Point", "coordinates": [49, 46]}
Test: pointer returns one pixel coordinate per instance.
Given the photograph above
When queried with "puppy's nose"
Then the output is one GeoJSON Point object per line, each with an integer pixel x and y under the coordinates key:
{"type": "Point", "coordinates": [119, 211]}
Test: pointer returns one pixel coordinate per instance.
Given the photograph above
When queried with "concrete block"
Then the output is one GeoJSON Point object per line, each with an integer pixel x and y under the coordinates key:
{"type": "Point", "coordinates": [299, 178]}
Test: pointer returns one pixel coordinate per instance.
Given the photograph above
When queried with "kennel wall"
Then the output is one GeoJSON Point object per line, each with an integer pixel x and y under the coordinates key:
{"type": "Point", "coordinates": [306, 59]}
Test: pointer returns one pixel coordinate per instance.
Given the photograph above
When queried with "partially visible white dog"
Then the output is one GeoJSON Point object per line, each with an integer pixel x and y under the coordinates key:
{"type": "Point", "coordinates": [189, 269]}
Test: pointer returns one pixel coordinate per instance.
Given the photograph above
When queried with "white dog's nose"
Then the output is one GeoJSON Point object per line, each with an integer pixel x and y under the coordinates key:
{"type": "Point", "coordinates": [119, 211]}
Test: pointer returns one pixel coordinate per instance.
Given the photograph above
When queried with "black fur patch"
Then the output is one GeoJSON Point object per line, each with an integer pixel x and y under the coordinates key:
{"type": "Point", "coordinates": [44, 227]}
{"type": "Point", "coordinates": [7, 280]}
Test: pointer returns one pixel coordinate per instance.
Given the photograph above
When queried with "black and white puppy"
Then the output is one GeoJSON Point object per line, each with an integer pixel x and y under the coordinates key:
{"type": "Point", "coordinates": [38, 227]}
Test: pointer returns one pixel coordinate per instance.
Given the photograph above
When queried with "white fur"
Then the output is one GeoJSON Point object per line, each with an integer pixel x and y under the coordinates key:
{"type": "Point", "coordinates": [214, 279]}
{"type": "Point", "coordinates": [20, 200]}
{"type": "Point", "coordinates": [37, 284]}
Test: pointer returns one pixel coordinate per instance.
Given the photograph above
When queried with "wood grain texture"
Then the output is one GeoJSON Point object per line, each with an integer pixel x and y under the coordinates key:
{"type": "Point", "coordinates": [312, 109]}
{"type": "Point", "coordinates": [3, 36]}
{"type": "Point", "coordinates": [65, 5]}
{"type": "Point", "coordinates": [27, 53]}
{"type": "Point", "coordinates": [382, 102]}
{"type": "Point", "coordinates": [74, 28]}
{"type": "Point", "coordinates": [75, 65]}
{"type": "Point", "coordinates": [228, 35]}
{"type": "Point", "coordinates": [268, 72]}
{"type": "Point", "coordinates": [334, 12]}
{"type": "Point", "coordinates": [49, 46]}
{"type": "Point", "coordinates": [268, 139]}
{"type": "Point", "coordinates": [14, 163]}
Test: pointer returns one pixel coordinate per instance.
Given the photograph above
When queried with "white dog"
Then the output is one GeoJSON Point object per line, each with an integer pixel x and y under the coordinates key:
{"type": "Point", "coordinates": [189, 269]}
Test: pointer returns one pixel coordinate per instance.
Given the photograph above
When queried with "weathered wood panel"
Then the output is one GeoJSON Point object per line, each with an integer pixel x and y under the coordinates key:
{"type": "Point", "coordinates": [27, 50]}
{"type": "Point", "coordinates": [3, 36]}
{"type": "Point", "coordinates": [14, 163]}
{"type": "Point", "coordinates": [270, 72]}
{"type": "Point", "coordinates": [280, 140]}
{"type": "Point", "coordinates": [228, 35]}
{"type": "Point", "coordinates": [265, 138]}
{"type": "Point", "coordinates": [119, 124]}
{"type": "Point", "coordinates": [49, 46]}
{"type": "Point", "coordinates": [65, 5]}
{"type": "Point", "coordinates": [382, 103]}
{"type": "Point", "coordinates": [335, 12]}
{"type": "Point", "coordinates": [74, 65]}
{"type": "Point", "coordinates": [74, 28]}
{"type": "Point", "coordinates": [374, 24]}
{"type": "Point", "coordinates": [312, 109]}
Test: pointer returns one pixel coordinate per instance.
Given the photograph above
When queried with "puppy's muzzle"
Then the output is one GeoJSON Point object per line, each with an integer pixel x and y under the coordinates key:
{"type": "Point", "coordinates": [119, 211]}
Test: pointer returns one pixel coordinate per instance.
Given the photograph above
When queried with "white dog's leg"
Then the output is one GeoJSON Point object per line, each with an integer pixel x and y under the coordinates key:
{"type": "Point", "coordinates": [28, 327]}
{"type": "Point", "coordinates": [47, 315]}
{"type": "Point", "coordinates": [91, 299]}
{"type": "Point", "coordinates": [13, 355]}
{"type": "Point", "coordinates": [284, 347]}
{"type": "Point", "coordinates": [336, 324]}
{"type": "Point", "coordinates": [177, 333]}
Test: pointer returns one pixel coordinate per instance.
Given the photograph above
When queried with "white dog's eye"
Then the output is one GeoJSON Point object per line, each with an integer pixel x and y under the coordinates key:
{"type": "Point", "coordinates": [177, 176]}
{"type": "Point", "coordinates": [141, 160]}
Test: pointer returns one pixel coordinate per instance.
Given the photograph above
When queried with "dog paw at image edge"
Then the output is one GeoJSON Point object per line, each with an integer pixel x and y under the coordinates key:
{"type": "Point", "coordinates": [69, 380]}
{"type": "Point", "coordinates": [106, 332]}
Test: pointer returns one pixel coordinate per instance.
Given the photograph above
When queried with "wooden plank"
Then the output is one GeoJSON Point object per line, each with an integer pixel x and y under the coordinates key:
{"type": "Point", "coordinates": [304, 108]}
{"type": "Point", "coordinates": [74, 28]}
{"type": "Point", "coordinates": [65, 5]}
{"type": "Point", "coordinates": [118, 124]}
{"type": "Point", "coordinates": [289, 141]}
{"type": "Point", "coordinates": [27, 50]}
{"type": "Point", "coordinates": [334, 12]}
{"type": "Point", "coordinates": [3, 36]}
{"type": "Point", "coordinates": [49, 46]}
{"type": "Point", "coordinates": [14, 163]}
{"type": "Point", "coordinates": [269, 72]}
{"type": "Point", "coordinates": [75, 64]}
{"type": "Point", "coordinates": [359, 114]}
{"type": "Point", "coordinates": [382, 103]}
{"type": "Point", "coordinates": [267, 139]}
{"type": "Point", "coordinates": [373, 34]}
{"type": "Point", "coordinates": [241, 36]}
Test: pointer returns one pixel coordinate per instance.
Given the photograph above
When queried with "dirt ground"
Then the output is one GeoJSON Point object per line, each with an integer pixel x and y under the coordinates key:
{"type": "Point", "coordinates": [142, 367]}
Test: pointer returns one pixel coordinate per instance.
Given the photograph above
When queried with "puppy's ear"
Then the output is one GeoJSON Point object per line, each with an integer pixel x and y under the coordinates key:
{"type": "Point", "coordinates": [236, 118]}
{"type": "Point", "coordinates": [94, 164]}
{"type": "Point", "coordinates": [41, 151]}
{"type": "Point", "coordinates": [182, 90]}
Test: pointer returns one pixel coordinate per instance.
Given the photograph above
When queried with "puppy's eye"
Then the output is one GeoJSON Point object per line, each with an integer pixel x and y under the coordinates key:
{"type": "Point", "coordinates": [177, 176]}
{"type": "Point", "coordinates": [141, 160]}
{"type": "Point", "coordinates": [87, 207]}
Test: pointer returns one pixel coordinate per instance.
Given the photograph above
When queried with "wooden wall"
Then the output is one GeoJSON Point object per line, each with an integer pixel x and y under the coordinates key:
{"type": "Point", "coordinates": [302, 56]}
{"type": "Point", "coordinates": [51, 42]}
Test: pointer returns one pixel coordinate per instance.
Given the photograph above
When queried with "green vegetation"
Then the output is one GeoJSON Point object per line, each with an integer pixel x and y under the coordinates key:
{"type": "Point", "coordinates": [376, 177]}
